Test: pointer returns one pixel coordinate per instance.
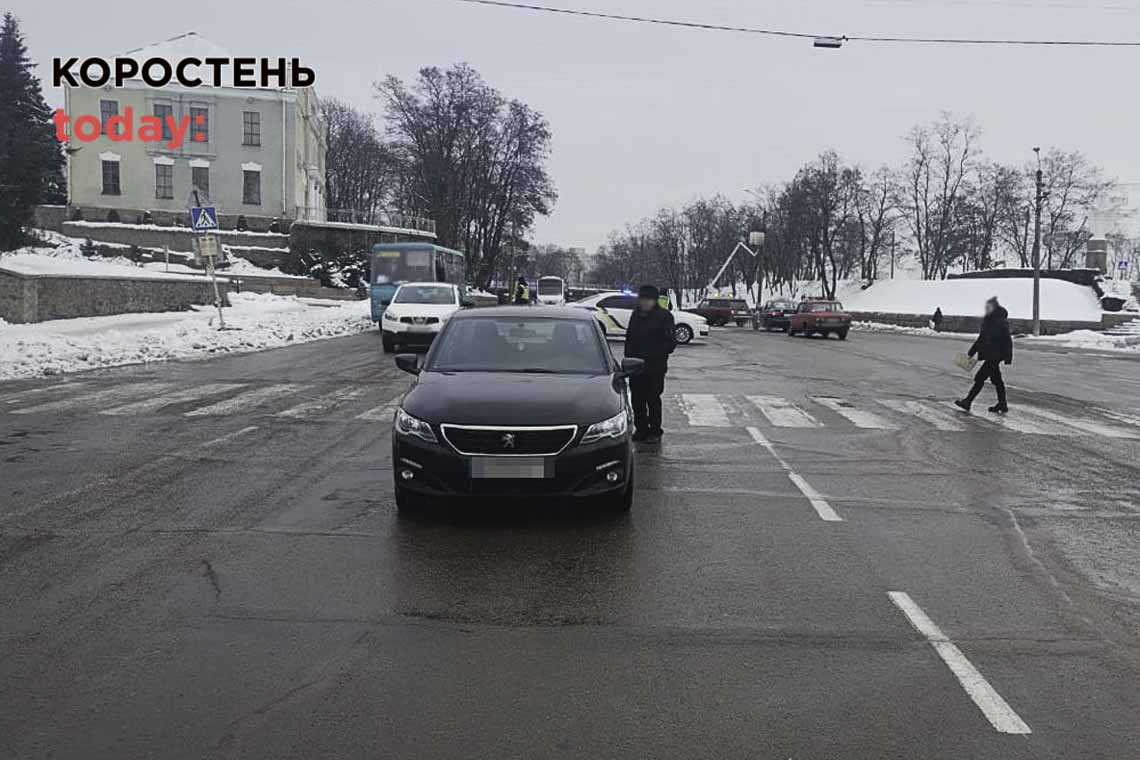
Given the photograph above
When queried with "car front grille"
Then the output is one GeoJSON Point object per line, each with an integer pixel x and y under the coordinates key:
{"type": "Point", "coordinates": [509, 441]}
{"type": "Point", "coordinates": [419, 320]}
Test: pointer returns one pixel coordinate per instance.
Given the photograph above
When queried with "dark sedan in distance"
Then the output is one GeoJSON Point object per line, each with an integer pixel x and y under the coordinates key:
{"type": "Point", "coordinates": [776, 313]}
{"type": "Point", "coordinates": [515, 402]}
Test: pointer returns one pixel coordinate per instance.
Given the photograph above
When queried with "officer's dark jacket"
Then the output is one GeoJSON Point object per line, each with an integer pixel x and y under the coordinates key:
{"type": "Point", "coordinates": [994, 342]}
{"type": "Point", "coordinates": [649, 336]}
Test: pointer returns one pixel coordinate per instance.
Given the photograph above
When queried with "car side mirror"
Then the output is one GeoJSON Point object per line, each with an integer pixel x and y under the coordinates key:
{"type": "Point", "coordinates": [631, 366]}
{"type": "Point", "coordinates": [409, 363]}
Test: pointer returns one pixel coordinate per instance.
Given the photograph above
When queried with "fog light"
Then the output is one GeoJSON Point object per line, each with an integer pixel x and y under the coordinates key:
{"type": "Point", "coordinates": [407, 474]}
{"type": "Point", "coordinates": [613, 476]}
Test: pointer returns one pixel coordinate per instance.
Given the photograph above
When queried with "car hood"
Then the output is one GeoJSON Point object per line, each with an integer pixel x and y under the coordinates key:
{"type": "Point", "coordinates": [687, 316]}
{"type": "Point", "coordinates": [506, 398]}
{"type": "Point", "coordinates": [422, 310]}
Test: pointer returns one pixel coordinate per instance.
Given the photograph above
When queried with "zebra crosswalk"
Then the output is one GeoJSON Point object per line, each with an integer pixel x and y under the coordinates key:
{"type": "Point", "coordinates": [706, 410]}
{"type": "Point", "coordinates": [372, 403]}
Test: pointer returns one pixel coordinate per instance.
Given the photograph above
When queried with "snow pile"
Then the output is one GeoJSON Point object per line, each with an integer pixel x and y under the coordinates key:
{"type": "Point", "coordinates": [41, 264]}
{"type": "Point", "coordinates": [1060, 300]}
{"type": "Point", "coordinates": [1089, 339]}
{"type": "Point", "coordinates": [1121, 289]}
{"type": "Point", "coordinates": [879, 327]}
{"type": "Point", "coordinates": [260, 320]}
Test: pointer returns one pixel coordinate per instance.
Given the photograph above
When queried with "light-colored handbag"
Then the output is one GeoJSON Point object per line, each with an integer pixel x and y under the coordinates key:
{"type": "Point", "coordinates": [966, 362]}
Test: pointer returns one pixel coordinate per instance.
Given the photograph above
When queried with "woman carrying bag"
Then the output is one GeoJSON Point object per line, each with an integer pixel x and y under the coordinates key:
{"type": "Point", "coordinates": [993, 346]}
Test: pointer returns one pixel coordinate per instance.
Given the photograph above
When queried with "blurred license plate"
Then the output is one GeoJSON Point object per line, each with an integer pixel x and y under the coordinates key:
{"type": "Point", "coordinates": [513, 468]}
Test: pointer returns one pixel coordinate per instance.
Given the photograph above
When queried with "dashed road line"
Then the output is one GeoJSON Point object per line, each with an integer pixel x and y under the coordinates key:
{"type": "Point", "coordinates": [822, 508]}
{"type": "Point", "coordinates": [1000, 715]}
{"type": "Point", "coordinates": [1087, 426]}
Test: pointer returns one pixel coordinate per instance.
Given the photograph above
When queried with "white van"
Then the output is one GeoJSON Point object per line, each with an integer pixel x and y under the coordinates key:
{"type": "Point", "coordinates": [551, 291]}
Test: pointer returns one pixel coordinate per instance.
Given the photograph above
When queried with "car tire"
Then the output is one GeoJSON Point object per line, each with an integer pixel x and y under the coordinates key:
{"type": "Point", "coordinates": [389, 345]}
{"type": "Point", "coordinates": [843, 335]}
{"type": "Point", "coordinates": [683, 334]}
{"type": "Point", "coordinates": [740, 323]}
{"type": "Point", "coordinates": [791, 333]}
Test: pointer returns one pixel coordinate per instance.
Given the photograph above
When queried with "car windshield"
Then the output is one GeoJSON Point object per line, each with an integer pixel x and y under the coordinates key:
{"type": "Point", "coordinates": [830, 306]}
{"type": "Point", "coordinates": [550, 287]}
{"type": "Point", "coordinates": [513, 344]}
{"type": "Point", "coordinates": [781, 305]}
{"type": "Point", "coordinates": [439, 295]}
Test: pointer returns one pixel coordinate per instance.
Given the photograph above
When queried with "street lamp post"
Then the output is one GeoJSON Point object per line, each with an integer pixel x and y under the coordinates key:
{"type": "Point", "coordinates": [1037, 249]}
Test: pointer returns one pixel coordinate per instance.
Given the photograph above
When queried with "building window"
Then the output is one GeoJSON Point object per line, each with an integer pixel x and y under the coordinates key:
{"type": "Point", "coordinates": [250, 128]}
{"type": "Point", "coordinates": [199, 128]}
{"type": "Point", "coordinates": [111, 178]}
{"type": "Point", "coordinates": [162, 110]}
{"type": "Point", "coordinates": [163, 180]}
{"type": "Point", "coordinates": [200, 179]}
{"type": "Point", "coordinates": [107, 109]}
{"type": "Point", "coordinates": [251, 187]}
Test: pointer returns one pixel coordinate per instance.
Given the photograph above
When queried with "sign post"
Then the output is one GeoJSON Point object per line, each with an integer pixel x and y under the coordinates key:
{"type": "Point", "coordinates": [1122, 267]}
{"type": "Point", "coordinates": [204, 219]}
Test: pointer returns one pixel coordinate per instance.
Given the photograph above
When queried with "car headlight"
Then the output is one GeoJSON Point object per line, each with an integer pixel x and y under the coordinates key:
{"type": "Point", "coordinates": [406, 424]}
{"type": "Point", "coordinates": [614, 427]}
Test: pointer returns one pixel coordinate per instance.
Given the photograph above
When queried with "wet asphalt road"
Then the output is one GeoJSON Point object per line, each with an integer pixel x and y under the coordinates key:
{"type": "Point", "coordinates": [203, 560]}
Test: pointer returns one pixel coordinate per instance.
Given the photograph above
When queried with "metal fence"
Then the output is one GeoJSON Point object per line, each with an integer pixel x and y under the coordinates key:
{"type": "Point", "coordinates": [371, 218]}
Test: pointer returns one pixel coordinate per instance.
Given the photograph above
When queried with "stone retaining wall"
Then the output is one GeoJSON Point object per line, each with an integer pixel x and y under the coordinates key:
{"type": "Point", "coordinates": [176, 238]}
{"type": "Point", "coordinates": [36, 298]}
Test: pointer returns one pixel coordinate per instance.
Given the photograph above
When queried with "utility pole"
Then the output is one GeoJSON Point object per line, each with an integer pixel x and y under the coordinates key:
{"type": "Point", "coordinates": [1037, 249]}
{"type": "Point", "coordinates": [892, 254]}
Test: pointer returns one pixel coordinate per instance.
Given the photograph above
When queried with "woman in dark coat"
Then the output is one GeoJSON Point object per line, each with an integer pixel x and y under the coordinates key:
{"type": "Point", "coordinates": [993, 346]}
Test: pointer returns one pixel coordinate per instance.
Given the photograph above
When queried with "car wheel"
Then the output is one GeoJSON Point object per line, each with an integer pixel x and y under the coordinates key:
{"type": "Point", "coordinates": [683, 334]}
{"type": "Point", "coordinates": [790, 331]}
{"type": "Point", "coordinates": [740, 323]}
{"type": "Point", "coordinates": [843, 335]}
{"type": "Point", "coordinates": [389, 346]}
{"type": "Point", "coordinates": [787, 328]}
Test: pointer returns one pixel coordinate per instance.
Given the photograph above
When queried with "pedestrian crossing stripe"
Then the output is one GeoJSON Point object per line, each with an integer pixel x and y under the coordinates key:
{"type": "Point", "coordinates": [699, 410]}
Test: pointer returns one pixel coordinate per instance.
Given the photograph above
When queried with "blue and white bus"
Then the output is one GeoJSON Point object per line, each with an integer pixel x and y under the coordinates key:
{"type": "Point", "coordinates": [396, 263]}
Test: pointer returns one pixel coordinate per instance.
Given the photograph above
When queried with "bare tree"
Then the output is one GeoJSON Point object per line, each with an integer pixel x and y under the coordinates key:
{"type": "Point", "coordinates": [361, 171]}
{"type": "Point", "coordinates": [942, 156]}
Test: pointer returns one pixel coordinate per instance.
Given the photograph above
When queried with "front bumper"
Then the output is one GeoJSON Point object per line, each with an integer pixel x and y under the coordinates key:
{"type": "Point", "coordinates": [410, 335]}
{"type": "Point", "coordinates": [703, 330]}
{"type": "Point", "coordinates": [580, 472]}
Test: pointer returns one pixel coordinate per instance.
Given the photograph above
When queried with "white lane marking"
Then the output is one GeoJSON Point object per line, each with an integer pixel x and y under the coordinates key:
{"type": "Point", "coordinates": [1019, 424]}
{"type": "Point", "coordinates": [245, 401]}
{"type": "Point", "coordinates": [858, 417]}
{"type": "Point", "coordinates": [703, 410]}
{"type": "Point", "coordinates": [1087, 426]}
{"type": "Point", "coordinates": [98, 398]}
{"type": "Point", "coordinates": [939, 418]}
{"type": "Point", "coordinates": [1000, 715]}
{"type": "Point", "coordinates": [153, 404]}
{"type": "Point", "coordinates": [21, 396]}
{"type": "Point", "coordinates": [1127, 419]}
{"type": "Point", "coordinates": [227, 437]}
{"type": "Point", "coordinates": [383, 412]}
{"type": "Point", "coordinates": [782, 413]}
{"type": "Point", "coordinates": [822, 508]}
{"type": "Point", "coordinates": [325, 403]}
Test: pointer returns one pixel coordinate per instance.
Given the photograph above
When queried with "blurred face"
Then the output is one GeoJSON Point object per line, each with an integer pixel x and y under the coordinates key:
{"type": "Point", "coordinates": [646, 304]}
{"type": "Point", "coordinates": [989, 308]}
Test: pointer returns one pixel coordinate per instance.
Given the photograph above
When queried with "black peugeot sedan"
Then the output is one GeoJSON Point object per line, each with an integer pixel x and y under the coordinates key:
{"type": "Point", "coordinates": [515, 401]}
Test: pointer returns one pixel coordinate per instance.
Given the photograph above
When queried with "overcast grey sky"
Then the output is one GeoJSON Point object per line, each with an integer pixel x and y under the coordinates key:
{"type": "Point", "coordinates": [645, 116]}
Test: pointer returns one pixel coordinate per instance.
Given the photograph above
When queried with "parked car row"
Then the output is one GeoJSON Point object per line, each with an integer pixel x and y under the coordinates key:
{"type": "Point", "coordinates": [812, 316]}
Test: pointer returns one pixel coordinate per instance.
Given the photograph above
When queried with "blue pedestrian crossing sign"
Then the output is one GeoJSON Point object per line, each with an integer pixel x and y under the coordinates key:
{"type": "Point", "coordinates": [203, 218]}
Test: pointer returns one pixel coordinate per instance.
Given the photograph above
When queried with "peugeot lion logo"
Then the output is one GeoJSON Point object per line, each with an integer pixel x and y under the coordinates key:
{"type": "Point", "coordinates": [508, 440]}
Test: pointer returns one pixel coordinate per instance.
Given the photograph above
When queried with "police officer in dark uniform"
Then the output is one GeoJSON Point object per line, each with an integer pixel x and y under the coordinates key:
{"type": "Point", "coordinates": [522, 292]}
{"type": "Point", "coordinates": [649, 337]}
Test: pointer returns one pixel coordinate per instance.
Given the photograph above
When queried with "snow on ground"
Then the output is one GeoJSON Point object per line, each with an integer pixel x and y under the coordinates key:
{"type": "Point", "coordinates": [1059, 300]}
{"type": "Point", "coordinates": [879, 327]}
{"type": "Point", "coordinates": [259, 321]}
{"type": "Point", "coordinates": [38, 263]}
{"type": "Point", "coordinates": [1089, 339]}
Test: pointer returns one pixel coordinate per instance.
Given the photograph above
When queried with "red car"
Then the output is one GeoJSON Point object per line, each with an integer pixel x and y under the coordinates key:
{"type": "Point", "coordinates": [820, 317]}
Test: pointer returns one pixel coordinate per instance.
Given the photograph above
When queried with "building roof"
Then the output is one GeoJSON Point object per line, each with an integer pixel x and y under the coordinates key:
{"type": "Point", "coordinates": [186, 45]}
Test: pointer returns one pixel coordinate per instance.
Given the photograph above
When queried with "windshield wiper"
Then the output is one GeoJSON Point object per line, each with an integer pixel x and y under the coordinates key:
{"type": "Point", "coordinates": [536, 371]}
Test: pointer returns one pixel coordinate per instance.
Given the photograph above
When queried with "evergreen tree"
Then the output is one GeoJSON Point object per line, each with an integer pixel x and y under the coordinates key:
{"type": "Point", "coordinates": [31, 163]}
